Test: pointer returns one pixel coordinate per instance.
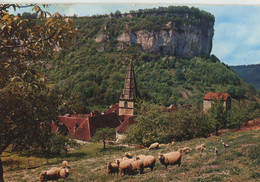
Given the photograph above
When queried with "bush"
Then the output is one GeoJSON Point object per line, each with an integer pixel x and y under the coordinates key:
{"type": "Point", "coordinates": [157, 124]}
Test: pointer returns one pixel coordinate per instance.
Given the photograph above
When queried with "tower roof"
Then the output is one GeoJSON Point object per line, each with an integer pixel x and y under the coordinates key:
{"type": "Point", "coordinates": [130, 89]}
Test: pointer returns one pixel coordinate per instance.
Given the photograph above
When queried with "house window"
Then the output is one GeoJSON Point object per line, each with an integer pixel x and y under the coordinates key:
{"type": "Point", "coordinates": [126, 104]}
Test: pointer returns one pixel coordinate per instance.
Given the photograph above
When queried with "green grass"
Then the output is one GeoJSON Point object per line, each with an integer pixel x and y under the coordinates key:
{"type": "Point", "coordinates": [240, 162]}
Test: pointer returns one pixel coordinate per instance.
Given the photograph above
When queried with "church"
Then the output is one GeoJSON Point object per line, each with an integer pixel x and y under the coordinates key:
{"type": "Point", "coordinates": [119, 116]}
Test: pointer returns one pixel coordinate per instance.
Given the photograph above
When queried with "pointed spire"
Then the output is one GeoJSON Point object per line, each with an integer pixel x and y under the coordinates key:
{"type": "Point", "coordinates": [130, 89]}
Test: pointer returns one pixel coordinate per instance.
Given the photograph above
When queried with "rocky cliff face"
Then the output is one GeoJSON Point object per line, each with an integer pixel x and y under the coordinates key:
{"type": "Point", "coordinates": [184, 41]}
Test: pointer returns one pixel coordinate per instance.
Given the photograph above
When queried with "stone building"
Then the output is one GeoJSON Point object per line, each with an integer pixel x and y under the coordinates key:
{"type": "Point", "coordinates": [127, 102]}
{"type": "Point", "coordinates": [129, 94]}
{"type": "Point", "coordinates": [209, 99]}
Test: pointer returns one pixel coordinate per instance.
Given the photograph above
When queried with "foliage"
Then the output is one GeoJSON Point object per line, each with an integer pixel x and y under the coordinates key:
{"type": "Point", "coordinates": [250, 73]}
{"type": "Point", "coordinates": [218, 115]}
{"type": "Point", "coordinates": [151, 125]}
{"type": "Point", "coordinates": [155, 124]}
{"type": "Point", "coordinates": [91, 74]}
{"type": "Point", "coordinates": [104, 134]}
{"type": "Point", "coordinates": [237, 115]}
{"type": "Point", "coordinates": [27, 105]}
{"type": "Point", "coordinates": [190, 123]}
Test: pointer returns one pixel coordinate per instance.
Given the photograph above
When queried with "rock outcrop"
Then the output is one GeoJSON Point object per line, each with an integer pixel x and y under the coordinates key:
{"type": "Point", "coordinates": [184, 41]}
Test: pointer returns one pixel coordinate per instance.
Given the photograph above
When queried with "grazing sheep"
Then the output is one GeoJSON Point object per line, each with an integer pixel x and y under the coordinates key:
{"type": "Point", "coordinates": [54, 174]}
{"type": "Point", "coordinates": [65, 164]}
{"type": "Point", "coordinates": [186, 150]}
{"type": "Point", "coordinates": [125, 167]}
{"type": "Point", "coordinates": [154, 146]}
{"type": "Point", "coordinates": [171, 158]}
{"type": "Point", "coordinates": [113, 167]}
{"type": "Point", "coordinates": [162, 145]}
{"type": "Point", "coordinates": [216, 151]}
{"type": "Point", "coordinates": [201, 147]}
{"type": "Point", "coordinates": [225, 145]}
{"type": "Point", "coordinates": [137, 165]}
{"type": "Point", "coordinates": [128, 155]}
{"type": "Point", "coordinates": [126, 158]}
{"type": "Point", "coordinates": [148, 160]}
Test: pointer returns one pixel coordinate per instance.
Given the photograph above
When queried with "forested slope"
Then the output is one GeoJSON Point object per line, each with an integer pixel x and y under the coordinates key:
{"type": "Point", "coordinates": [92, 73]}
{"type": "Point", "coordinates": [250, 73]}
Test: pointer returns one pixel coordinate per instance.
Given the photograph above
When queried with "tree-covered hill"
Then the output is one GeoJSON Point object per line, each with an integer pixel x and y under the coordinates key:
{"type": "Point", "coordinates": [91, 73]}
{"type": "Point", "coordinates": [250, 73]}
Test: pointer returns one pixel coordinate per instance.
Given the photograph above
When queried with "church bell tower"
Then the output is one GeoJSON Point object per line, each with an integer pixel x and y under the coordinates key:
{"type": "Point", "coordinates": [129, 94]}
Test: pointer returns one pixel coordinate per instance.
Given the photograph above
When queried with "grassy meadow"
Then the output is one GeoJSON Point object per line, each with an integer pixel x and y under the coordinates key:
{"type": "Point", "coordinates": [239, 162]}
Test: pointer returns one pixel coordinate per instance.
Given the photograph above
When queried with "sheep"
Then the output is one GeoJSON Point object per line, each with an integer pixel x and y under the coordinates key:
{"type": "Point", "coordinates": [225, 145]}
{"type": "Point", "coordinates": [171, 158]}
{"type": "Point", "coordinates": [65, 164]}
{"type": "Point", "coordinates": [154, 146]}
{"type": "Point", "coordinates": [148, 160]}
{"type": "Point", "coordinates": [126, 158]}
{"type": "Point", "coordinates": [162, 145]}
{"type": "Point", "coordinates": [186, 150]}
{"type": "Point", "coordinates": [216, 151]}
{"type": "Point", "coordinates": [113, 167]}
{"type": "Point", "coordinates": [137, 165]}
{"type": "Point", "coordinates": [128, 155]}
{"type": "Point", "coordinates": [54, 174]}
{"type": "Point", "coordinates": [125, 167]}
{"type": "Point", "coordinates": [201, 147]}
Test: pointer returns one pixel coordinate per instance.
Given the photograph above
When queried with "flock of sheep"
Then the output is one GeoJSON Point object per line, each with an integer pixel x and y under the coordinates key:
{"type": "Point", "coordinates": [130, 164]}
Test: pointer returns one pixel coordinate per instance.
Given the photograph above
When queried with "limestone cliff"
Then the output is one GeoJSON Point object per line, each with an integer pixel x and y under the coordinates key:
{"type": "Point", "coordinates": [177, 31]}
{"type": "Point", "coordinates": [184, 41]}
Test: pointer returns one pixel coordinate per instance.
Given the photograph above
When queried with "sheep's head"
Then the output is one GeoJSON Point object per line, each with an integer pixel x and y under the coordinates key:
{"type": "Point", "coordinates": [136, 158]}
{"type": "Point", "coordinates": [109, 166]}
{"type": "Point", "coordinates": [161, 157]}
{"type": "Point", "coordinates": [43, 176]}
{"type": "Point", "coordinates": [65, 164]}
{"type": "Point", "coordinates": [117, 161]}
{"type": "Point", "coordinates": [64, 172]}
{"type": "Point", "coordinates": [182, 150]}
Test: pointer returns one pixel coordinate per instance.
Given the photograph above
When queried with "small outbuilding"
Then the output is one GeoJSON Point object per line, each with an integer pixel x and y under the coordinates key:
{"type": "Point", "coordinates": [209, 99]}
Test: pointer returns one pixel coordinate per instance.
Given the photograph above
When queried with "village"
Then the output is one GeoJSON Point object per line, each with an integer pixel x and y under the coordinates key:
{"type": "Point", "coordinates": [120, 115]}
{"type": "Point", "coordinates": [124, 96]}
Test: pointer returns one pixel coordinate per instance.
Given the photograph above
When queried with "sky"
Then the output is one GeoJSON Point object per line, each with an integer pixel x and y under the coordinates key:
{"type": "Point", "coordinates": [236, 38]}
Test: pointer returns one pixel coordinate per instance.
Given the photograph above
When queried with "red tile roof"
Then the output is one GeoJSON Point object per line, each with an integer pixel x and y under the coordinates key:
{"type": "Point", "coordinates": [127, 121]}
{"type": "Point", "coordinates": [112, 109]}
{"type": "Point", "coordinates": [83, 128]}
{"type": "Point", "coordinates": [213, 95]}
{"type": "Point", "coordinates": [102, 121]}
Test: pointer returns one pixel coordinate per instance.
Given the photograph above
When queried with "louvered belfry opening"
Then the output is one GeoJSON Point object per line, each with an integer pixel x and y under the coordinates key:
{"type": "Point", "coordinates": [129, 94]}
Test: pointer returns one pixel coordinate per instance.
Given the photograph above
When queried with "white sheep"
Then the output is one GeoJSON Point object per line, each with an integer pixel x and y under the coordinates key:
{"type": "Point", "coordinates": [137, 165]}
{"type": "Point", "coordinates": [54, 174]}
{"type": "Point", "coordinates": [65, 164]}
{"type": "Point", "coordinates": [171, 158]}
{"type": "Point", "coordinates": [200, 147]}
{"type": "Point", "coordinates": [128, 155]}
{"type": "Point", "coordinates": [154, 146]}
{"type": "Point", "coordinates": [216, 151]}
{"type": "Point", "coordinates": [125, 167]}
{"type": "Point", "coordinates": [225, 145]}
{"type": "Point", "coordinates": [148, 160]}
{"type": "Point", "coordinates": [186, 150]}
{"type": "Point", "coordinates": [162, 145]}
{"type": "Point", "coordinates": [112, 167]}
